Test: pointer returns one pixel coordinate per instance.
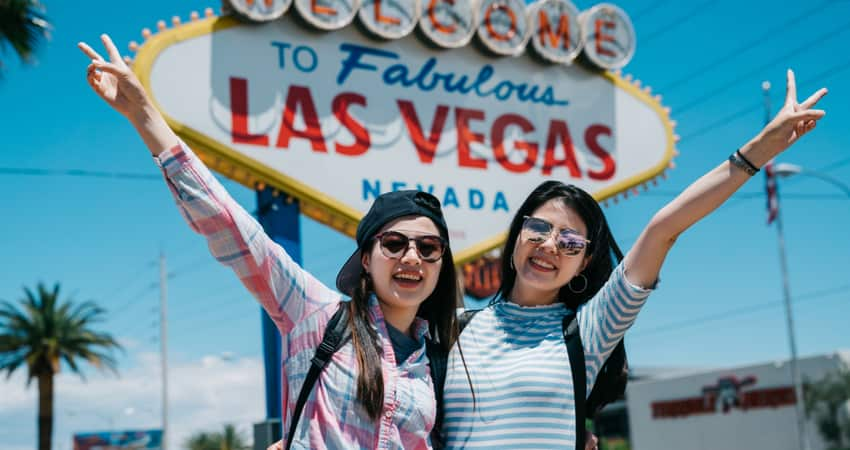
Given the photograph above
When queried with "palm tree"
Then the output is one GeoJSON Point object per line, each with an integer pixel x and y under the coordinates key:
{"type": "Point", "coordinates": [41, 333]}
{"type": "Point", "coordinates": [824, 399]}
{"type": "Point", "coordinates": [231, 439]}
{"type": "Point", "coordinates": [227, 439]}
{"type": "Point", "coordinates": [23, 25]}
{"type": "Point", "coordinates": [203, 441]}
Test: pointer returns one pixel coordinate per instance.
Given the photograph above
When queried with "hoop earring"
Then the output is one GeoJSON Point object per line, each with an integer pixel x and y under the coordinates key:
{"type": "Point", "coordinates": [578, 291]}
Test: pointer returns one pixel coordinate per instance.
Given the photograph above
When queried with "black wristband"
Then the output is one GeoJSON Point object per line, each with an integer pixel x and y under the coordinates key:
{"type": "Point", "coordinates": [738, 160]}
{"type": "Point", "coordinates": [741, 155]}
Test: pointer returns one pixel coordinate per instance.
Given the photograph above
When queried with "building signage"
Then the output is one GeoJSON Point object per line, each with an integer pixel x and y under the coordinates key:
{"type": "Point", "coordinates": [119, 440]}
{"type": "Point", "coordinates": [337, 118]}
{"type": "Point", "coordinates": [723, 397]}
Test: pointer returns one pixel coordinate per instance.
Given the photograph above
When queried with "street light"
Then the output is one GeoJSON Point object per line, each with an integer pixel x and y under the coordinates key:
{"type": "Point", "coordinates": [786, 170]}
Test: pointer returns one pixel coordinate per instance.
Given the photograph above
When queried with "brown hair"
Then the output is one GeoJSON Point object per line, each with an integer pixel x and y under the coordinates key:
{"type": "Point", "coordinates": [439, 309]}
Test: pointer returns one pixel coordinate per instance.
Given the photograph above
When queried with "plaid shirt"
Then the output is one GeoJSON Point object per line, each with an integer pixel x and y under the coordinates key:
{"type": "Point", "coordinates": [301, 307]}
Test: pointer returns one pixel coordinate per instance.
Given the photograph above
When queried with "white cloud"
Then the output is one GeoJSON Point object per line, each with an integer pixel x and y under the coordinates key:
{"type": "Point", "coordinates": [203, 395]}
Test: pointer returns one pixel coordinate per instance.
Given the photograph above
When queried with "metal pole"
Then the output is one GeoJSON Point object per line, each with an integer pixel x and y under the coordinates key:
{"type": "Point", "coordinates": [789, 315]}
{"type": "Point", "coordinates": [795, 369]}
{"type": "Point", "coordinates": [278, 213]}
{"type": "Point", "coordinates": [163, 342]}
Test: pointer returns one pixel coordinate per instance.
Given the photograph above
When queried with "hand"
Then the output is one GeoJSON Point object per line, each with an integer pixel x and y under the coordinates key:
{"type": "Point", "coordinates": [121, 89]}
{"type": "Point", "coordinates": [276, 446]}
{"type": "Point", "coordinates": [592, 442]}
{"type": "Point", "coordinates": [115, 83]}
{"type": "Point", "coordinates": [793, 120]}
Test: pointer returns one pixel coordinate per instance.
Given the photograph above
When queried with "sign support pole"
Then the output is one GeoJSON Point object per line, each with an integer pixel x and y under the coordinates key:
{"type": "Point", "coordinates": [278, 214]}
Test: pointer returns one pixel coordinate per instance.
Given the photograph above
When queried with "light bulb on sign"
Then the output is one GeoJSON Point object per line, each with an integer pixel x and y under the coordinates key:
{"type": "Point", "coordinates": [609, 37]}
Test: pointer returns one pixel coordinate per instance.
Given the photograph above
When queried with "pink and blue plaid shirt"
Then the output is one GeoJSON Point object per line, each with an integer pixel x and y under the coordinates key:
{"type": "Point", "coordinates": [301, 307]}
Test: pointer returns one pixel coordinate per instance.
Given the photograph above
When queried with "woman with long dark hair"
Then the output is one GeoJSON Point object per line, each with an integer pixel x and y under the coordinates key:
{"type": "Point", "coordinates": [560, 258]}
{"type": "Point", "coordinates": [377, 390]}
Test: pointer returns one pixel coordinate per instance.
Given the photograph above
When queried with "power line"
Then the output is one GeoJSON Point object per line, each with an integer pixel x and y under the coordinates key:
{"type": "Point", "coordinates": [736, 200]}
{"type": "Point", "coordinates": [815, 295]}
{"type": "Point", "coordinates": [723, 121]}
{"type": "Point", "coordinates": [211, 311]}
{"type": "Point", "coordinates": [647, 10]}
{"type": "Point", "coordinates": [826, 74]}
{"type": "Point", "coordinates": [28, 171]}
{"type": "Point", "coordinates": [764, 37]}
{"type": "Point", "coordinates": [193, 266]}
{"type": "Point", "coordinates": [678, 21]}
{"type": "Point", "coordinates": [143, 328]}
{"type": "Point", "coordinates": [835, 165]}
{"type": "Point", "coordinates": [122, 287]}
{"type": "Point", "coordinates": [199, 302]}
{"type": "Point", "coordinates": [134, 300]}
{"type": "Point", "coordinates": [805, 47]}
{"type": "Point", "coordinates": [78, 173]}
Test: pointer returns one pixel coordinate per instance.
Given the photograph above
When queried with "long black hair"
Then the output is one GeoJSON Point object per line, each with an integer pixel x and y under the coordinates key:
{"type": "Point", "coordinates": [439, 309]}
{"type": "Point", "coordinates": [602, 249]}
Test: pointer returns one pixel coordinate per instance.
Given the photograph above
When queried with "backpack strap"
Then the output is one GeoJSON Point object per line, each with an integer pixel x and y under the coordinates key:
{"type": "Point", "coordinates": [575, 350]}
{"type": "Point", "coordinates": [438, 360]}
{"type": "Point", "coordinates": [610, 382]}
{"type": "Point", "coordinates": [464, 318]}
{"type": "Point", "coordinates": [336, 335]}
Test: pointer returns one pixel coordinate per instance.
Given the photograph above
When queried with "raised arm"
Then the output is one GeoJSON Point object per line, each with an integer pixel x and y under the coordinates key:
{"type": "Point", "coordinates": [116, 84]}
{"type": "Point", "coordinates": [286, 291]}
{"type": "Point", "coordinates": [643, 262]}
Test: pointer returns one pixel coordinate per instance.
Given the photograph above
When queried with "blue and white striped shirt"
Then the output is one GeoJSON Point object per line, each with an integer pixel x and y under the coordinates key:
{"type": "Point", "coordinates": [520, 369]}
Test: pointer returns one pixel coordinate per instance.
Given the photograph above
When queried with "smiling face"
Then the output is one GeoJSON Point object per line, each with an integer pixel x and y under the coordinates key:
{"type": "Point", "coordinates": [541, 269]}
{"type": "Point", "coordinates": [403, 283]}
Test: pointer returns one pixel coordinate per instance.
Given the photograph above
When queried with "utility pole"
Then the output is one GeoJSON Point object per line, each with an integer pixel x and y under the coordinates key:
{"type": "Point", "coordinates": [163, 342]}
{"type": "Point", "coordinates": [786, 291]}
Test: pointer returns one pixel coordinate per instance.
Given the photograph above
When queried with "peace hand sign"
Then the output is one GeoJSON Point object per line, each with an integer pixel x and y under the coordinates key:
{"type": "Point", "coordinates": [114, 82]}
{"type": "Point", "coordinates": [793, 120]}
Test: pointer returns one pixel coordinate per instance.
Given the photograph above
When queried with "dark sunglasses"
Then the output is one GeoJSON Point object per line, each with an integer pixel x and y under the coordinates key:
{"type": "Point", "coordinates": [537, 231]}
{"type": "Point", "coordinates": [394, 244]}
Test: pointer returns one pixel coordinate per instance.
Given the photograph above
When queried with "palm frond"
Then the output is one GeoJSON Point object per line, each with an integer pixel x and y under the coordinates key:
{"type": "Point", "coordinates": [23, 26]}
{"type": "Point", "coordinates": [42, 331]}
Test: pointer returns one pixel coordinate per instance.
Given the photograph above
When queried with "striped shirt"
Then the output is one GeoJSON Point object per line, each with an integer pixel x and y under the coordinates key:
{"type": "Point", "coordinates": [301, 307]}
{"type": "Point", "coordinates": [519, 367]}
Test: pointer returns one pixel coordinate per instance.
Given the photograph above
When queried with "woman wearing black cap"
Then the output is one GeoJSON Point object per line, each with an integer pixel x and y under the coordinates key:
{"type": "Point", "coordinates": [376, 392]}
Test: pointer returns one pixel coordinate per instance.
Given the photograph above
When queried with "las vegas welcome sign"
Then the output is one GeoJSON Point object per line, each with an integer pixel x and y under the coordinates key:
{"type": "Point", "coordinates": [337, 101]}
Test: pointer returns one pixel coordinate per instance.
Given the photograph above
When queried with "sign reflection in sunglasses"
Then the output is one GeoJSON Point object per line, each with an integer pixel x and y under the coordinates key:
{"type": "Point", "coordinates": [394, 245]}
{"type": "Point", "coordinates": [537, 231]}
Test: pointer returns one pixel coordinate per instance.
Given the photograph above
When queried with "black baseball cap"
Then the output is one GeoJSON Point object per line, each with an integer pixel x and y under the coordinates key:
{"type": "Point", "coordinates": [386, 208]}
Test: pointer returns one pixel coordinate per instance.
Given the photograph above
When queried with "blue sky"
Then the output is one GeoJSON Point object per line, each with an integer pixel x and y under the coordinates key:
{"type": "Point", "coordinates": [719, 302]}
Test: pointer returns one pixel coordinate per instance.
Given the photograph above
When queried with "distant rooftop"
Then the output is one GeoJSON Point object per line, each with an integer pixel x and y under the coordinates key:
{"type": "Point", "coordinates": [656, 373]}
